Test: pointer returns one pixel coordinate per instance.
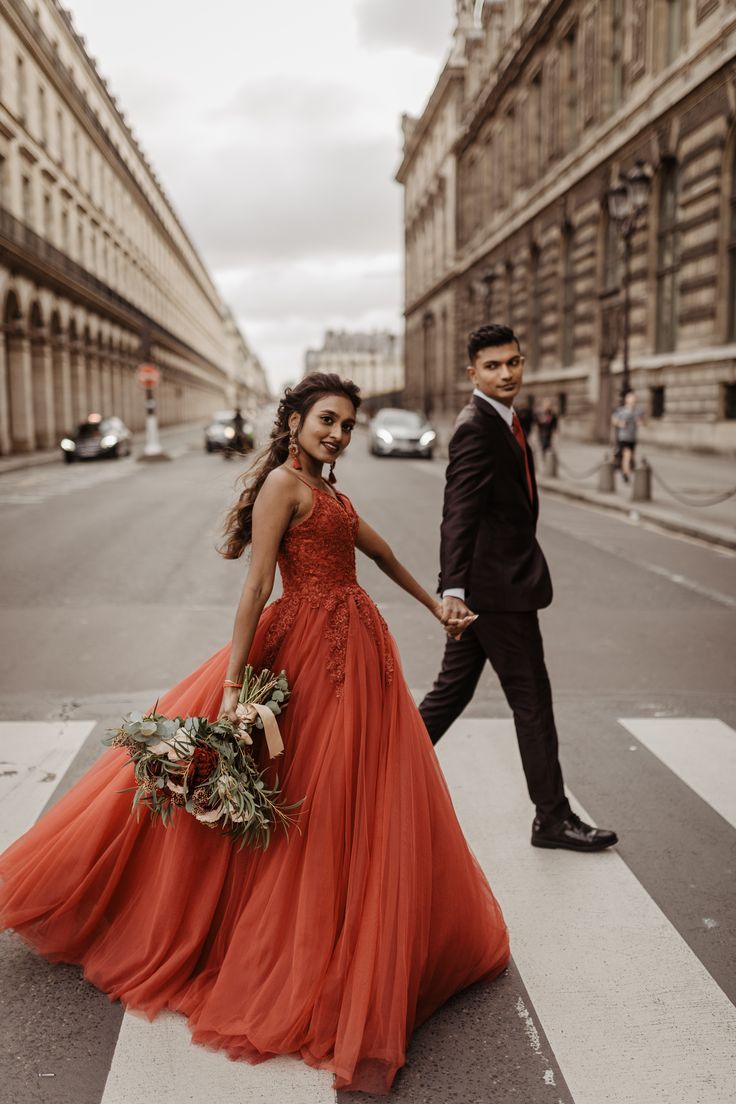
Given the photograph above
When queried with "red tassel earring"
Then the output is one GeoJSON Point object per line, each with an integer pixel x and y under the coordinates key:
{"type": "Point", "coordinates": [332, 478]}
{"type": "Point", "coordinates": [294, 452]}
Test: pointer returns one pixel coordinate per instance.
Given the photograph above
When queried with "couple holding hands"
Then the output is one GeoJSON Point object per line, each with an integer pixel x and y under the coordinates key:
{"type": "Point", "coordinates": [337, 942]}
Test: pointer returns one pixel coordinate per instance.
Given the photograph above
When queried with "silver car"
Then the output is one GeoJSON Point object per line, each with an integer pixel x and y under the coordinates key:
{"type": "Point", "coordinates": [395, 432]}
{"type": "Point", "coordinates": [220, 433]}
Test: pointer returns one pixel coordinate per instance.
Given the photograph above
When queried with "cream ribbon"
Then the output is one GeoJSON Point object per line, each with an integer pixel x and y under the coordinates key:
{"type": "Point", "coordinates": [274, 743]}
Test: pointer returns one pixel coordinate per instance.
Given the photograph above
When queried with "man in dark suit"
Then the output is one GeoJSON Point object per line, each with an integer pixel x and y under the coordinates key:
{"type": "Point", "coordinates": [490, 558]}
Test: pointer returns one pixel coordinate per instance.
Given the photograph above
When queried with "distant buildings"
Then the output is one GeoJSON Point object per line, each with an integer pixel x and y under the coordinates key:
{"type": "Point", "coordinates": [372, 360]}
{"type": "Point", "coordinates": [506, 173]}
{"type": "Point", "coordinates": [96, 271]}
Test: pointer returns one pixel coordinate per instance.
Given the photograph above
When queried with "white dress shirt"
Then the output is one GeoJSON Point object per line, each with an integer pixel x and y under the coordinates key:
{"type": "Point", "coordinates": [507, 413]}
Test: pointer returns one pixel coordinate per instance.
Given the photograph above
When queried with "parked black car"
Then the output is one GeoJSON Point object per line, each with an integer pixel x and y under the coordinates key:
{"type": "Point", "coordinates": [395, 432]}
{"type": "Point", "coordinates": [220, 433]}
{"type": "Point", "coordinates": [97, 436]}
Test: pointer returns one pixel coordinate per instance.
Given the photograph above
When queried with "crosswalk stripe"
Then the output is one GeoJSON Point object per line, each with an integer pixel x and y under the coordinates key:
{"type": "Point", "coordinates": [701, 751]}
{"type": "Point", "coordinates": [630, 1012]}
{"type": "Point", "coordinates": [161, 1054]}
{"type": "Point", "coordinates": [33, 757]}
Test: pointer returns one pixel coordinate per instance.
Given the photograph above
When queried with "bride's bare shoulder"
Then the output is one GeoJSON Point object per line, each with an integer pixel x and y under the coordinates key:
{"type": "Point", "coordinates": [280, 483]}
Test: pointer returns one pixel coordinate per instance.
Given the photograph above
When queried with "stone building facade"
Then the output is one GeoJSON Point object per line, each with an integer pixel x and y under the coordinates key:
{"type": "Point", "coordinates": [547, 102]}
{"type": "Point", "coordinates": [96, 271]}
{"type": "Point", "coordinates": [372, 360]}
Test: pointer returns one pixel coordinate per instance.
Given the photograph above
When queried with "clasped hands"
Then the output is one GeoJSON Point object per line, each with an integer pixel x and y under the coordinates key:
{"type": "Point", "coordinates": [455, 616]}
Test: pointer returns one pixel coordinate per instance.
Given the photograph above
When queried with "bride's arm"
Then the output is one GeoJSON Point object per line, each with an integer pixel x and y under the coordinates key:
{"type": "Point", "coordinates": [277, 503]}
{"type": "Point", "coordinates": [376, 548]}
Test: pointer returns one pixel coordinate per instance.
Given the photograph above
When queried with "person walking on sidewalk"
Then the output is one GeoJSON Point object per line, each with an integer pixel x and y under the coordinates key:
{"type": "Point", "coordinates": [547, 423]}
{"type": "Point", "coordinates": [492, 566]}
{"type": "Point", "coordinates": [625, 420]}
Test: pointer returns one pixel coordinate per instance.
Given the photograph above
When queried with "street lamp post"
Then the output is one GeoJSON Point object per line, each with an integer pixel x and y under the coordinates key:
{"type": "Point", "coordinates": [626, 201]}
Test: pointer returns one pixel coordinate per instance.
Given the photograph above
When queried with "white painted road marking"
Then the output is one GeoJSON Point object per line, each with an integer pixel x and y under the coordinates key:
{"type": "Point", "coordinates": [631, 1014]}
{"type": "Point", "coordinates": [33, 757]}
{"type": "Point", "coordinates": [158, 1061]}
{"type": "Point", "coordinates": [701, 751]}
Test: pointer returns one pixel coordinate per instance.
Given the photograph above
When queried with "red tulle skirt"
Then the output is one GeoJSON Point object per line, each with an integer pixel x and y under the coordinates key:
{"type": "Point", "coordinates": [334, 943]}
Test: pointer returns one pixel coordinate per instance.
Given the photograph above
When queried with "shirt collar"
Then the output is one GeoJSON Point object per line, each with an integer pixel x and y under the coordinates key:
{"type": "Point", "coordinates": [506, 412]}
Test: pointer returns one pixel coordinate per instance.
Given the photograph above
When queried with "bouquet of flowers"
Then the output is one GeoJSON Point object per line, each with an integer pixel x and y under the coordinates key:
{"type": "Point", "coordinates": [206, 767]}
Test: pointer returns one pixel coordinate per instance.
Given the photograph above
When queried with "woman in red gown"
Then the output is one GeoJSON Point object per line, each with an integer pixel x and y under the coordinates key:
{"type": "Point", "coordinates": [333, 944]}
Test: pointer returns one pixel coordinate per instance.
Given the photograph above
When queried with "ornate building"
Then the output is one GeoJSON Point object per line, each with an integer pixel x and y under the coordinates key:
{"type": "Point", "coordinates": [96, 271]}
{"type": "Point", "coordinates": [372, 360]}
{"type": "Point", "coordinates": [541, 107]}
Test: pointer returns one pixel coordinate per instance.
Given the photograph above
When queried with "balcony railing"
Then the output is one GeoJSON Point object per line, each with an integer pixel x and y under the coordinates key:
{"type": "Point", "coordinates": [35, 250]}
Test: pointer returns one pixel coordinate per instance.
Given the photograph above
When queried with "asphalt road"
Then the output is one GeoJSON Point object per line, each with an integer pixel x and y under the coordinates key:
{"type": "Point", "coordinates": [112, 590]}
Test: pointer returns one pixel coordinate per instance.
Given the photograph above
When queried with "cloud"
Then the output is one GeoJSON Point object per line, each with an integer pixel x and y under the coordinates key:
{"type": "Point", "coordinates": [284, 200]}
{"type": "Point", "coordinates": [417, 25]}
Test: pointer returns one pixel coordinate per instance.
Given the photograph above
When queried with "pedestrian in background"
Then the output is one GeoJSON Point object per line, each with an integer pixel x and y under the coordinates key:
{"type": "Point", "coordinates": [625, 420]}
{"type": "Point", "coordinates": [547, 423]}
{"type": "Point", "coordinates": [527, 417]}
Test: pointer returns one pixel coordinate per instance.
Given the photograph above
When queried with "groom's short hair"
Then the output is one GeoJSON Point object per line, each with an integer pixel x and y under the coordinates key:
{"type": "Point", "coordinates": [486, 337]}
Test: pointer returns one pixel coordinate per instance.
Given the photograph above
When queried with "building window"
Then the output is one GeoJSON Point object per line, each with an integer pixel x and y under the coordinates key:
{"type": "Point", "coordinates": [60, 147]}
{"type": "Point", "coordinates": [729, 401]}
{"type": "Point", "coordinates": [27, 198]}
{"type": "Point", "coordinates": [65, 231]}
{"type": "Point", "coordinates": [22, 90]}
{"type": "Point", "coordinates": [43, 122]}
{"type": "Point", "coordinates": [562, 403]}
{"type": "Point", "coordinates": [48, 218]}
{"type": "Point", "coordinates": [656, 403]}
{"type": "Point", "coordinates": [617, 53]}
{"type": "Point", "coordinates": [732, 253]}
{"type": "Point", "coordinates": [536, 129]}
{"type": "Point", "coordinates": [667, 249]}
{"type": "Point", "coordinates": [509, 294]}
{"type": "Point", "coordinates": [571, 98]}
{"type": "Point", "coordinates": [567, 317]}
{"type": "Point", "coordinates": [673, 33]}
{"type": "Point", "coordinates": [611, 253]}
{"type": "Point", "coordinates": [534, 318]}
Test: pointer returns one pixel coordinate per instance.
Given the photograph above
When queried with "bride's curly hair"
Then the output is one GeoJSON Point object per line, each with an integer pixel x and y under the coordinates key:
{"type": "Point", "coordinates": [238, 529]}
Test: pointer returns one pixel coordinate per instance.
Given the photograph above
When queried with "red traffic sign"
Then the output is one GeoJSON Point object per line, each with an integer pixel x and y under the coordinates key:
{"type": "Point", "coordinates": [148, 375]}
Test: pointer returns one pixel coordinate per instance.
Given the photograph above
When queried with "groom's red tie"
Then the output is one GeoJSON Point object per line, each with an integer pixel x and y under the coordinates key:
{"type": "Point", "coordinates": [518, 433]}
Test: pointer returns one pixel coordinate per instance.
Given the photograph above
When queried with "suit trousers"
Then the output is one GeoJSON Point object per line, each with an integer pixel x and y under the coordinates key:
{"type": "Point", "coordinates": [513, 643]}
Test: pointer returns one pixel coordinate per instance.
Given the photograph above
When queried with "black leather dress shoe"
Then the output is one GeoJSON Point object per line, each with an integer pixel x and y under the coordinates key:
{"type": "Point", "coordinates": [572, 833]}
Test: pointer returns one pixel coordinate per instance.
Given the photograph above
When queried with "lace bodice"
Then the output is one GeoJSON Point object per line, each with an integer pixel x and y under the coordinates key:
{"type": "Point", "coordinates": [317, 565]}
{"type": "Point", "coordinates": [318, 555]}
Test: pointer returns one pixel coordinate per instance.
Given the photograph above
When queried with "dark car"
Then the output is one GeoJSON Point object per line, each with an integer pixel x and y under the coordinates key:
{"type": "Point", "coordinates": [395, 432]}
{"type": "Point", "coordinates": [220, 433]}
{"type": "Point", "coordinates": [96, 437]}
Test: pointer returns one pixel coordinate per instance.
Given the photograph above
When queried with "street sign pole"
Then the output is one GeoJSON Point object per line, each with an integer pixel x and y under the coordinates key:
{"type": "Point", "coordinates": [149, 377]}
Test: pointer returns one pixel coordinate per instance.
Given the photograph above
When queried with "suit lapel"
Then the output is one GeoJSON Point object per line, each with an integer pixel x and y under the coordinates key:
{"type": "Point", "coordinates": [515, 450]}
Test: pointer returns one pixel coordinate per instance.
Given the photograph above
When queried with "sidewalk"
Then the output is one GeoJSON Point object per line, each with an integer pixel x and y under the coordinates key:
{"type": "Point", "coordinates": [174, 439]}
{"type": "Point", "coordinates": [693, 477]}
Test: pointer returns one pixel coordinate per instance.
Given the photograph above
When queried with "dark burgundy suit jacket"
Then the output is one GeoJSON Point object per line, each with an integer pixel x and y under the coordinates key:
{"type": "Point", "coordinates": [488, 535]}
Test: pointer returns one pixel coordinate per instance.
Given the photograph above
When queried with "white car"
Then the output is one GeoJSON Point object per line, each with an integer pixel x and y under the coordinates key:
{"type": "Point", "coordinates": [395, 432]}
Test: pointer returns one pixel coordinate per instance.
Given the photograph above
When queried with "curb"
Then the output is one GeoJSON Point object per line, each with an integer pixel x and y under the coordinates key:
{"type": "Point", "coordinates": [717, 535]}
{"type": "Point", "coordinates": [53, 456]}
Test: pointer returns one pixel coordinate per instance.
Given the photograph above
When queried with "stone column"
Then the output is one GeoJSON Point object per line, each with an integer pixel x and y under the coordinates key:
{"type": "Point", "coordinates": [78, 382]}
{"type": "Point", "coordinates": [5, 446]}
{"type": "Point", "coordinates": [94, 392]}
{"type": "Point", "coordinates": [20, 380]}
{"type": "Point", "coordinates": [63, 406]}
{"type": "Point", "coordinates": [43, 392]}
{"type": "Point", "coordinates": [105, 369]}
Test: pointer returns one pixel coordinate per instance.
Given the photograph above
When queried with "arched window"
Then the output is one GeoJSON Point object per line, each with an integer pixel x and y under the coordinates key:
{"type": "Point", "coordinates": [667, 250]}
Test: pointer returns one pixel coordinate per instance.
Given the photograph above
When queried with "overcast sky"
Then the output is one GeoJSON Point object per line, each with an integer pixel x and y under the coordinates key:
{"type": "Point", "coordinates": [275, 131]}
